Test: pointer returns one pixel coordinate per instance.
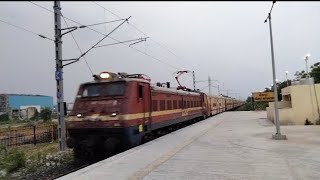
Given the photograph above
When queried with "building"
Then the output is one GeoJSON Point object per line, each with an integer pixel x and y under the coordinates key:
{"type": "Point", "coordinates": [300, 102]}
{"type": "Point", "coordinates": [13, 102]}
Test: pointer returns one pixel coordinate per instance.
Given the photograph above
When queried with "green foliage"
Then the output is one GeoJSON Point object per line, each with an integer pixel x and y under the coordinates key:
{"type": "Point", "coordinates": [314, 72]}
{"type": "Point", "coordinates": [4, 117]}
{"type": "Point", "coordinates": [308, 122]}
{"type": "Point", "coordinates": [45, 113]}
{"type": "Point", "coordinates": [245, 107]}
{"type": "Point", "coordinates": [11, 160]}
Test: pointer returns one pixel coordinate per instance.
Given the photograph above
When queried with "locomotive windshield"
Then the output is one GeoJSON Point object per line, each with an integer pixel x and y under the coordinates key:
{"type": "Point", "coordinates": [103, 89]}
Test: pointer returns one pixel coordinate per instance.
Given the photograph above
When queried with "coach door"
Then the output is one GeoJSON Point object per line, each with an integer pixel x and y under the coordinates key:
{"type": "Point", "coordinates": [144, 101]}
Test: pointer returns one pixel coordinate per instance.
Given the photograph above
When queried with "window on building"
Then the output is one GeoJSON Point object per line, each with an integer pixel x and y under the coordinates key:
{"type": "Point", "coordinates": [188, 104]}
{"type": "Point", "coordinates": [192, 104]}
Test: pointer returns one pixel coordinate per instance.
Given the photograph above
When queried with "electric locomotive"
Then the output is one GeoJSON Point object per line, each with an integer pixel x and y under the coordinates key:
{"type": "Point", "coordinates": [117, 110]}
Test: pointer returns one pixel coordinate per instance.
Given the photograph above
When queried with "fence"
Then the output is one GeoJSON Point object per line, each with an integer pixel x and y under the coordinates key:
{"type": "Point", "coordinates": [31, 134]}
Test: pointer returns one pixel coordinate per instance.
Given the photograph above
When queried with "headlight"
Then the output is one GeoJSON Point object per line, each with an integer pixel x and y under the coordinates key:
{"type": "Point", "coordinates": [114, 114]}
{"type": "Point", "coordinates": [104, 75]}
{"type": "Point", "coordinates": [79, 115]}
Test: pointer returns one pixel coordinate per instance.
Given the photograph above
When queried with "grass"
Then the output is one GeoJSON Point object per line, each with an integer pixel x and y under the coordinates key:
{"type": "Point", "coordinates": [6, 124]}
{"type": "Point", "coordinates": [33, 151]}
{"type": "Point", "coordinates": [11, 124]}
{"type": "Point", "coordinates": [25, 157]}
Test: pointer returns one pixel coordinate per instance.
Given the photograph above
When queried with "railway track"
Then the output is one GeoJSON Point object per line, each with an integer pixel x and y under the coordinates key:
{"type": "Point", "coordinates": [161, 132]}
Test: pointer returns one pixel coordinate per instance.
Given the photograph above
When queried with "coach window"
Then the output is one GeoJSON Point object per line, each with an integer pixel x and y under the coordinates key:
{"type": "Point", "coordinates": [192, 104]}
{"type": "Point", "coordinates": [154, 105]}
{"type": "Point", "coordinates": [174, 104]}
{"type": "Point", "coordinates": [140, 88]}
{"type": "Point", "coordinates": [162, 105]}
{"type": "Point", "coordinates": [169, 105]}
{"type": "Point", "coordinates": [184, 104]}
{"type": "Point", "coordinates": [188, 104]}
{"type": "Point", "coordinates": [180, 104]}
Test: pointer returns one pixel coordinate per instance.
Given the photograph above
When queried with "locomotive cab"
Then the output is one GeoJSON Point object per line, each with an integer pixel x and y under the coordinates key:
{"type": "Point", "coordinates": [110, 109]}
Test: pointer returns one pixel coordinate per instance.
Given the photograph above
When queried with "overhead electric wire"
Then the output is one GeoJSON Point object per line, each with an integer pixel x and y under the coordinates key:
{"type": "Point", "coordinates": [24, 29]}
{"type": "Point", "coordinates": [126, 20]}
{"type": "Point", "coordinates": [77, 45]}
{"type": "Point", "coordinates": [204, 88]}
{"type": "Point", "coordinates": [160, 45]}
{"type": "Point", "coordinates": [106, 22]}
{"type": "Point", "coordinates": [104, 35]}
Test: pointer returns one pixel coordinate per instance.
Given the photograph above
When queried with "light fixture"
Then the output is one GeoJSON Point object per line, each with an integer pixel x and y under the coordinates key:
{"type": "Point", "coordinates": [114, 114]}
{"type": "Point", "coordinates": [104, 75]}
{"type": "Point", "coordinates": [79, 115]}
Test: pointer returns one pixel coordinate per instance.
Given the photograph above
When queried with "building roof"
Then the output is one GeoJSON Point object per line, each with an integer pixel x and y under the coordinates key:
{"type": "Point", "coordinates": [25, 95]}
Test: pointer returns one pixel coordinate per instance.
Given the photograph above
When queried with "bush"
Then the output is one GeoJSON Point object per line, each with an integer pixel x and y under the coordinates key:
{"type": "Point", "coordinates": [308, 122]}
{"type": "Point", "coordinates": [45, 114]}
{"type": "Point", "coordinates": [4, 117]}
{"type": "Point", "coordinates": [245, 107]}
{"type": "Point", "coordinates": [12, 160]}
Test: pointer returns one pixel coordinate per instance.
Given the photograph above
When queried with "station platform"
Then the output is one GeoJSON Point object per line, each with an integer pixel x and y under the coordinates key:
{"type": "Point", "coordinates": [231, 145]}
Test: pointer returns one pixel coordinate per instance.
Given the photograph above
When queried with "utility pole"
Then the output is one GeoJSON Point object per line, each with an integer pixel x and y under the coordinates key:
{"type": "Point", "coordinates": [209, 82]}
{"type": "Point", "coordinates": [59, 75]}
{"type": "Point", "coordinates": [218, 90]}
{"type": "Point", "coordinates": [278, 135]}
{"type": "Point", "coordinates": [287, 78]}
{"type": "Point", "coordinates": [194, 80]}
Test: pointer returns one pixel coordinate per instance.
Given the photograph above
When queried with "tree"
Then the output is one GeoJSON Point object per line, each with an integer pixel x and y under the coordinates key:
{"type": "Point", "coordinates": [4, 117]}
{"type": "Point", "coordinates": [45, 113]}
{"type": "Point", "coordinates": [314, 72]}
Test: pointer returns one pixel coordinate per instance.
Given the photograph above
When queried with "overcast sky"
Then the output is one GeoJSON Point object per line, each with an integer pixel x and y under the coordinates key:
{"type": "Point", "coordinates": [226, 40]}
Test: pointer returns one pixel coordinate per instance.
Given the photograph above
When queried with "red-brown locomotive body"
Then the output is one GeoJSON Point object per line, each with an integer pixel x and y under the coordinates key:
{"type": "Point", "coordinates": [118, 110]}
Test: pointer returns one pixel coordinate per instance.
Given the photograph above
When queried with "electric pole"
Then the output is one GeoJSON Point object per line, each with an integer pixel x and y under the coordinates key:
{"type": "Point", "coordinates": [194, 80]}
{"type": "Point", "coordinates": [59, 75]}
{"type": "Point", "coordinates": [209, 81]}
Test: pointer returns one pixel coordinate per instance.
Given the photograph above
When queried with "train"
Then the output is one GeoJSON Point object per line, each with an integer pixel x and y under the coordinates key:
{"type": "Point", "coordinates": [118, 110]}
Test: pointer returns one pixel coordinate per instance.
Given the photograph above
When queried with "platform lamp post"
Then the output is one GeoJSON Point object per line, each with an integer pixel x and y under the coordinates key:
{"type": "Point", "coordinates": [306, 59]}
{"type": "Point", "coordinates": [278, 135]}
{"type": "Point", "coordinates": [287, 72]}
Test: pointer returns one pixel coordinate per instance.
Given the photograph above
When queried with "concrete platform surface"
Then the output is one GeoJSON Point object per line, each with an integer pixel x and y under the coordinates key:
{"type": "Point", "coordinates": [231, 145]}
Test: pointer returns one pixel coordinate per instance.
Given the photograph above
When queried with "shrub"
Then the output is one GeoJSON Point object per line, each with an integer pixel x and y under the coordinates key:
{"type": "Point", "coordinates": [4, 117]}
{"type": "Point", "coordinates": [12, 160]}
{"type": "Point", "coordinates": [308, 122]}
{"type": "Point", "coordinates": [45, 114]}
